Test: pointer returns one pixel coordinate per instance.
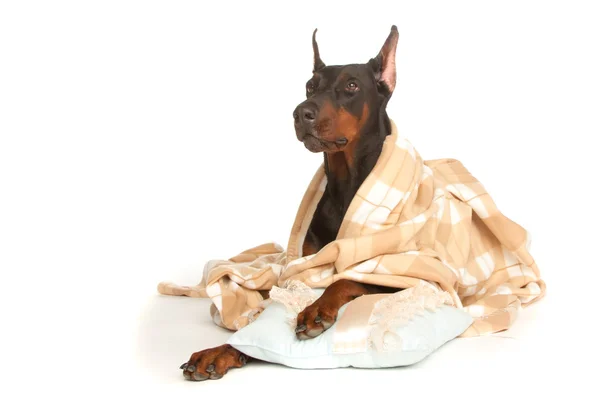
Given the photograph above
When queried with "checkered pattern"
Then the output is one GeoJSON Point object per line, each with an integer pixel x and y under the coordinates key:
{"type": "Point", "coordinates": [410, 221]}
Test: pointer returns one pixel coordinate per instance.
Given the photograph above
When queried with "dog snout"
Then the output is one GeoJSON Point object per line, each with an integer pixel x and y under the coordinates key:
{"type": "Point", "coordinates": [306, 114]}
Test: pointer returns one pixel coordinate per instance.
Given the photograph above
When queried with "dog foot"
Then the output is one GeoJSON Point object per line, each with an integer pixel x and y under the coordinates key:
{"type": "Point", "coordinates": [316, 319]}
{"type": "Point", "coordinates": [213, 363]}
{"type": "Point", "coordinates": [322, 314]}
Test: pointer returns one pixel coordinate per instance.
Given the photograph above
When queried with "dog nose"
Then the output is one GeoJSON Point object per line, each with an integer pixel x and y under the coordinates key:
{"type": "Point", "coordinates": [308, 114]}
{"type": "Point", "coordinates": [305, 113]}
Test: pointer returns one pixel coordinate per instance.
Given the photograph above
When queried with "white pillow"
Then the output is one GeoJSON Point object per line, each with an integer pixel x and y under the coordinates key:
{"type": "Point", "coordinates": [378, 331]}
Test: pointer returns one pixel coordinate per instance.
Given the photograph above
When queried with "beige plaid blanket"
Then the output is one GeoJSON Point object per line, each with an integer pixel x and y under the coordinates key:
{"type": "Point", "coordinates": [410, 221]}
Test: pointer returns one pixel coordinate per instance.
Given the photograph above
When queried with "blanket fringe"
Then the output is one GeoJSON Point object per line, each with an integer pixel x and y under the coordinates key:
{"type": "Point", "coordinates": [398, 309]}
{"type": "Point", "coordinates": [295, 296]}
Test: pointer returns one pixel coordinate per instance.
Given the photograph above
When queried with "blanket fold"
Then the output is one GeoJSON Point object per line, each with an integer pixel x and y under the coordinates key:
{"type": "Point", "coordinates": [410, 221]}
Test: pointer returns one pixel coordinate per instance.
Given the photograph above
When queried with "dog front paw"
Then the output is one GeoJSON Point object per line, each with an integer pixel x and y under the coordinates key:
{"type": "Point", "coordinates": [322, 314]}
{"type": "Point", "coordinates": [316, 319]}
{"type": "Point", "coordinates": [213, 363]}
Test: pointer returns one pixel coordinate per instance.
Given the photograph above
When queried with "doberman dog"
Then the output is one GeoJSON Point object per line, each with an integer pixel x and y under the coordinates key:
{"type": "Point", "coordinates": [344, 117]}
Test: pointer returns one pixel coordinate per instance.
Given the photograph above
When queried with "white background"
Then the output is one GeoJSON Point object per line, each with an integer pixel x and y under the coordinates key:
{"type": "Point", "coordinates": [140, 139]}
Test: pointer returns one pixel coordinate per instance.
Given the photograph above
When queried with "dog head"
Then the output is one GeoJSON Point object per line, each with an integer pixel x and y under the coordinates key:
{"type": "Point", "coordinates": [342, 99]}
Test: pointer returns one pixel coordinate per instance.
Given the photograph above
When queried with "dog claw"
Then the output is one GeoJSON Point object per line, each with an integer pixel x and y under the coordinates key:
{"type": "Point", "coordinates": [243, 360]}
{"type": "Point", "coordinates": [183, 366]}
{"type": "Point", "coordinates": [210, 368]}
{"type": "Point", "coordinates": [191, 368]}
{"type": "Point", "coordinates": [300, 328]}
{"type": "Point", "coordinates": [318, 319]}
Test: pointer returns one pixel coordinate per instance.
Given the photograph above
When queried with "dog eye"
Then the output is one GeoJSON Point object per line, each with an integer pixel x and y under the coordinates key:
{"type": "Point", "coordinates": [351, 87]}
{"type": "Point", "coordinates": [310, 87]}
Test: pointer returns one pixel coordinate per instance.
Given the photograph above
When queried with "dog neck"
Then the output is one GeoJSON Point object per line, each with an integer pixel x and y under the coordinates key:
{"type": "Point", "coordinates": [346, 170]}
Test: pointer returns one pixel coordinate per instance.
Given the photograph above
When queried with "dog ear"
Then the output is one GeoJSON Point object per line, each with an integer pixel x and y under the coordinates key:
{"type": "Point", "coordinates": [318, 62]}
{"type": "Point", "coordinates": [384, 64]}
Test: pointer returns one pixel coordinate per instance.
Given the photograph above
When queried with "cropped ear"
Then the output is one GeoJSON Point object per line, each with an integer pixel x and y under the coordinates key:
{"type": "Point", "coordinates": [384, 65]}
{"type": "Point", "coordinates": [318, 62]}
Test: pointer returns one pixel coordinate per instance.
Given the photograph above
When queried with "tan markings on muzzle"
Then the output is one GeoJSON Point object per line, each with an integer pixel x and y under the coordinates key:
{"type": "Point", "coordinates": [349, 126]}
{"type": "Point", "coordinates": [325, 125]}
